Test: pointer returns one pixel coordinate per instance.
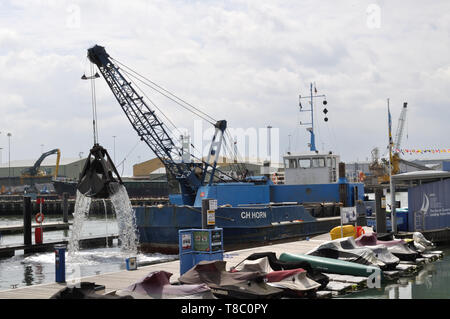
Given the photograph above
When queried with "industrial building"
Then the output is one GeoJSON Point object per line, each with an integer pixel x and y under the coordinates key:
{"type": "Point", "coordinates": [154, 168]}
{"type": "Point", "coordinates": [12, 173]}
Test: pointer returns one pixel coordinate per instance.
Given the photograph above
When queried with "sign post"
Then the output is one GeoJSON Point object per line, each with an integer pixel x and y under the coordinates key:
{"type": "Point", "coordinates": [348, 215]}
{"type": "Point", "coordinates": [209, 207]}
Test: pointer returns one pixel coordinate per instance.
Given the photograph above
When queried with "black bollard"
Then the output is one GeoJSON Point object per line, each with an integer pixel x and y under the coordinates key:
{"type": "Point", "coordinates": [27, 209]}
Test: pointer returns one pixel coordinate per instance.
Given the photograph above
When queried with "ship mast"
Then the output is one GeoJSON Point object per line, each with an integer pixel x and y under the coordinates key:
{"type": "Point", "coordinates": [311, 97]}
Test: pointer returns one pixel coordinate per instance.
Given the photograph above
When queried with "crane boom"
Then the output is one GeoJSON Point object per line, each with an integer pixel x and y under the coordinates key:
{"type": "Point", "coordinates": [400, 127]}
{"type": "Point", "coordinates": [149, 127]}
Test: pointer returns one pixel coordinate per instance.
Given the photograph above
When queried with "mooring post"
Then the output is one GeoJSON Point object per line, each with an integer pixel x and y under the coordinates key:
{"type": "Point", "coordinates": [379, 211]}
{"type": "Point", "coordinates": [205, 208]}
{"type": "Point", "coordinates": [65, 207]}
{"type": "Point", "coordinates": [343, 185]}
{"type": "Point", "coordinates": [27, 209]}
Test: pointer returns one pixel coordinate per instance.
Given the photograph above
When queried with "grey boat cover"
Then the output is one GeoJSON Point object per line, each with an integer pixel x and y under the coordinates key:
{"type": "Point", "coordinates": [85, 290]}
{"type": "Point", "coordinates": [421, 243]}
{"type": "Point", "coordinates": [381, 252]}
{"type": "Point", "coordinates": [275, 264]}
{"type": "Point", "coordinates": [346, 249]}
{"type": "Point", "coordinates": [372, 240]}
{"type": "Point", "coordinates": [397, 247]}
{"type": "Point", "coordinates": [156, 285]}
{"type": "Point", "coordinates": [226, 284]}
{"type": "Point", "coordinates": [294, 279]}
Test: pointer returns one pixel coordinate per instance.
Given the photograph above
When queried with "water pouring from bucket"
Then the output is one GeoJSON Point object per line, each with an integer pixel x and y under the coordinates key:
{"type": "Point", "coordinates": [100, 180]}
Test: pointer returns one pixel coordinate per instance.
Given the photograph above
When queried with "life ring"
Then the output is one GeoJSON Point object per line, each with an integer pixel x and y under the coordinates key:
{"type": "Point", "coordinates": [39, 218]}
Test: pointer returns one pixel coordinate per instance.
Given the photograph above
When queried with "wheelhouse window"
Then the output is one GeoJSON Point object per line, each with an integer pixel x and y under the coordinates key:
{"type": "Point", "coordinates": [318, 162]}
{"type": "Point", "coordinates": [292, 163]}
{"type": "Point", "coordinates": [304, 163]}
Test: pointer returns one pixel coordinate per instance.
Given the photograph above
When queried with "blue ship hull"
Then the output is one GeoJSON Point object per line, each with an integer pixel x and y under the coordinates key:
{"type": "Point", "coordinates": [249, 214]}
{"type": "Point", "coordinates": [242, 226]}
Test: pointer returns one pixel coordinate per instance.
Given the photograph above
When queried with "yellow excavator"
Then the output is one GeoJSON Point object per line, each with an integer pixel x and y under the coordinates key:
{"type": "Point", "coordinates": [34, 171]}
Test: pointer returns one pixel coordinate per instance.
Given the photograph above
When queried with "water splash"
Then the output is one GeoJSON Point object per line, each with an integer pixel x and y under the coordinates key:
{"type": "Point", "coordinates": [125, 218]}
{"type": "Point", "coordinates": [106, 222]}
{"type": "Point", "coordinates": [82, 205]}
{"type": "Point", "coordinates": [124, 215]}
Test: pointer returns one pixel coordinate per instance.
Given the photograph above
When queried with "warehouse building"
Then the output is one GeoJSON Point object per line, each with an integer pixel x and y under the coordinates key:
{"type": "Point", "coordinates": [12, 173]}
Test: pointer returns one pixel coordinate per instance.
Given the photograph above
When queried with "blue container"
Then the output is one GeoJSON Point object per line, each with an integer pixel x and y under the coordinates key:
{"type": "Point", "coordinates": [131, 263]}
{"type": "Point", "coordinates": [60, 263]}
{"type": "Point", "coordinates": [196, 245]}
{"type": "Point", "coordinates": [402, 219]}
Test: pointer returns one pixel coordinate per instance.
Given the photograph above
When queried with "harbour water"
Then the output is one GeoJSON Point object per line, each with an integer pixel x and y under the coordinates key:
{"type": "Point", "coordinates": [432, 282]}
{"type": "Point", "coordinates": [25, 270]}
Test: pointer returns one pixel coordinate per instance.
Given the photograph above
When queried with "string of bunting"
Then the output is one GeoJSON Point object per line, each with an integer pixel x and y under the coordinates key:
{"type": "Point", "coordinates": [422, 151]}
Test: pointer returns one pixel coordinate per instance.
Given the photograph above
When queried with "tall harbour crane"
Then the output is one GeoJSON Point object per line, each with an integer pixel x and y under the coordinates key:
{"type": "Point", "coordinates": [153, 131]}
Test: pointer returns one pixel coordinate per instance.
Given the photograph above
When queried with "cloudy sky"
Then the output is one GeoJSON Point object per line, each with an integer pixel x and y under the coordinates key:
{"type": "Point", "coordinates": [243, 61]}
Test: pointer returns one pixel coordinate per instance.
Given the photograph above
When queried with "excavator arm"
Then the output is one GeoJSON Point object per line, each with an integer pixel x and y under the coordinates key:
{"type": "Point", "coordinates": [33, 171]}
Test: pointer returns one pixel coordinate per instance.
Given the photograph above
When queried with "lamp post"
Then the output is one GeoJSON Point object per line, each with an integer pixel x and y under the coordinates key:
{"type": "Point", "coordinates": [9, 158]}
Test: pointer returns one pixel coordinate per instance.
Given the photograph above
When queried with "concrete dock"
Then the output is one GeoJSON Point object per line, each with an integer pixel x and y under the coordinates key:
{"type": "Point", "coordinates": [120, 280]}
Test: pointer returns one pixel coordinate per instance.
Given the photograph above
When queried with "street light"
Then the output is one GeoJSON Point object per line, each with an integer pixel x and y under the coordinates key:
{"type": "Point", "coordinates": [9, 158]}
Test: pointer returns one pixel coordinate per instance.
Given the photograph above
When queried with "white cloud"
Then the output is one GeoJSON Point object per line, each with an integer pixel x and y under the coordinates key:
{"type": "Point", "coordinates": [245, 61]}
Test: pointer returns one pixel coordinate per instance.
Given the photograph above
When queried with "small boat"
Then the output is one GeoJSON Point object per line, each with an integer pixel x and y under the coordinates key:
{"type": "Point", "coordinates": [85, 290]}
{"type": "Point", "coordinates": [372, 240]}
{"type": "Point", "coordinates": [334, 266]}
{"type": "Point", "coordinates": [421, 243]}
{"type": "Point", "coordinates": [397, 247]}
{"type": "Point", "coordinates": [275, 264]}
{"type": "Point", "coordinates": [156, 285]}
{"type": "Point", "coordinates": [347, 250]}
{"type": "Point", "coordinates": [230, 285]}
{"type": "Point", "coordinates": [294, 282]}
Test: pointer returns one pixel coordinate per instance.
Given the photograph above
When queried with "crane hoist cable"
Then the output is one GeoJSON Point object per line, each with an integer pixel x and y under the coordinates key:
{"type": "Point", "coordinates": [191, 108]}
{"type": "Point", "coordinates": [94, 106]}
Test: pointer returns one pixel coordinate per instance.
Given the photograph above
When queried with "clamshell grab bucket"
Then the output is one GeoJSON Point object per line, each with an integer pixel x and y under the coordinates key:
{"type": "Point", "coordinates": [98, 173]}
